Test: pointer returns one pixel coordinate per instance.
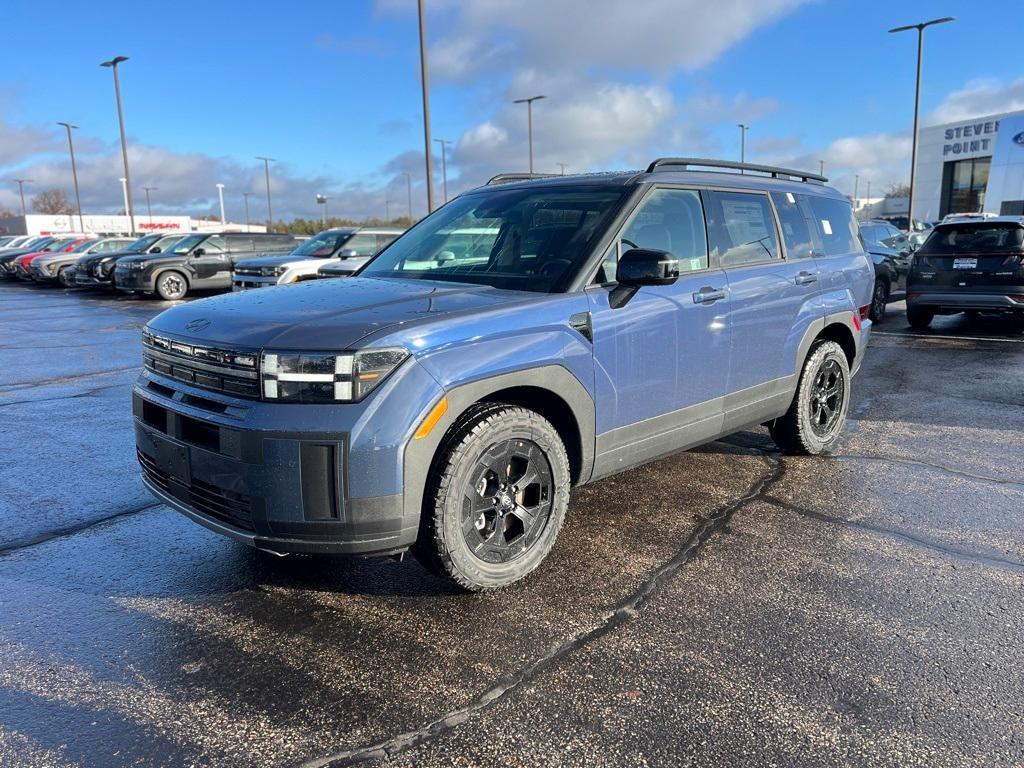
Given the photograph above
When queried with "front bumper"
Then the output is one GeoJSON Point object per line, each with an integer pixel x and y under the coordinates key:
{"type": "Point", "coordinates": [269, 475]}
{"type": "Point", "coordinates": [133, 279]}
{"type": "Point", "coordinates": [85, 278]}
{"type": "Point", "coordinates": [248, 282]}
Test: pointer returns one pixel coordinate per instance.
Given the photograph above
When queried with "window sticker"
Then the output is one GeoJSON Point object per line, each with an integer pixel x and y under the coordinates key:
{"type": "Point", "coordinates": [696, 264]}
{"type": "Point", "coordinates": [791, 197]}
{"type": "Point", "coordinates": [827, 226]}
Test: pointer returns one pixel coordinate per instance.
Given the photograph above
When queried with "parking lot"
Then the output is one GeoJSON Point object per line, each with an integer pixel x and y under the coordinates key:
{"type": "Point", "coordinates": [724, 606]}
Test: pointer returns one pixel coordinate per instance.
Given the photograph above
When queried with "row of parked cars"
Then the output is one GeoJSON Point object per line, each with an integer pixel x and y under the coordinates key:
{"type": "Point", "coordinates": [169, 265]}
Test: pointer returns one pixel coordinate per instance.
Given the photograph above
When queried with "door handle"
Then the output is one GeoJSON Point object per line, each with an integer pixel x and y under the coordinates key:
{"type": "Point", "coordinates": [708, 295]}
{"type": "Point", "coordinates": [806, 278]}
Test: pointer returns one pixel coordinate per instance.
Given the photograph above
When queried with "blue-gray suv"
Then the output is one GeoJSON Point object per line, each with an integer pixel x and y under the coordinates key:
{"type": "Point", "coordinates": [529, 336]}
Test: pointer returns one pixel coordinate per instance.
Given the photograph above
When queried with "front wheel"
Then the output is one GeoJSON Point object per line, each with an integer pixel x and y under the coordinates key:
{"type": "Point", "coordinates": [496, 497]}
{"type": "Point", "coordinates": [62, 278]}
{"type": "Point", "coordinates": [879, 298]}
{"type": "Point", "coordinates": [171, 286]}
{"type": "Point", "coordinates": [817, 415]}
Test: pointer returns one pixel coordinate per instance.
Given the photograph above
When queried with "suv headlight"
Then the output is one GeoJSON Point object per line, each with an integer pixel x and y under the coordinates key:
{"type": "Point", "coordinates": [305, 377]}
{"type": "Point", "coordinates": [138, 264]}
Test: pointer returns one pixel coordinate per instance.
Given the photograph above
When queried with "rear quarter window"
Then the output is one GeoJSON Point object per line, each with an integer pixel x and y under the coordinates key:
{"type": "Point", "coordinates": [835, 224]}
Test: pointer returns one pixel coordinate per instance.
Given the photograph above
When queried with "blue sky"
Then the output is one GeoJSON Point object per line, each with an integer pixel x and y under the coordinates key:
{"type": "Point", "coordinates": [332, 90]}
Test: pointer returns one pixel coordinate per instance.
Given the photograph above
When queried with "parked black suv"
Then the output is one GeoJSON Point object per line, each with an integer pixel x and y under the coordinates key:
{"type": "Point", "coordinates": [968, 266]}
{"type": "Point", "coordinates": [201, 260]}
{"type": "Point", "coordinates": [97, 269]}
{"type": "Point", "coordinates": [890, 252]}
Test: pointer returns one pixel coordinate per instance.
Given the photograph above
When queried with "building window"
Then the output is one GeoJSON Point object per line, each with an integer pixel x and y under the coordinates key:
{"type": "Point", "coordinates": [963, 185]}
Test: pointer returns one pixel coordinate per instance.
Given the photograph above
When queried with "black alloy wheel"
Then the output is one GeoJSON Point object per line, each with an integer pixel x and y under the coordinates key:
{"type": "Point", "coordinates": [879, 298]}
{"type": "Point", "coordinates": [826, 398]}
{"type": "Point", "coordinates": [507, 501]}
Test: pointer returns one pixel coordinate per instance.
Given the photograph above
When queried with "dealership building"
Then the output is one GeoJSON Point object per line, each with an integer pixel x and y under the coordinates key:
{"type": "Point", "coordinates": [971, 166]}
{"type": "Point", "coordinates": [44, 224]}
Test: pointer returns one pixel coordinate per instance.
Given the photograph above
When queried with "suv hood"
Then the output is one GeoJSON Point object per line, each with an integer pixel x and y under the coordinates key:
{"type": "Point", "coordinates": [275, 260]}
{"type": "Point", "coordinates": [324, 314]}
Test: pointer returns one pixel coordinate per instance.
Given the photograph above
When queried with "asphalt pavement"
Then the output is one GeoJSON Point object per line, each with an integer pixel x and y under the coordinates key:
{"type": "Point", "coordinates": [724, 606]}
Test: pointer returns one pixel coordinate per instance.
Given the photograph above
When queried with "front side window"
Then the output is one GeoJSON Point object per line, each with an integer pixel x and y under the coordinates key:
{"type": "Point", "coordinates": [742, 227]}
{"type": "Point", "coordinates": [214, 244]}
{"type": "Point", "coordinates": [528, 239]}
{"type": "Point", "coordinates": [795, 232]}
{"type": "Point", "coordinates": [836, 225]}
{"type": "Point", "coordinates": [362, 244]}
{"type": "Point", "coordinates": [185, 244]}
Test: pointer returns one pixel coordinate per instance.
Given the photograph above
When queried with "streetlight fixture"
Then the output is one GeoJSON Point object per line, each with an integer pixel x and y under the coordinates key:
{"type": "Point", "coordinates": [917, 105]}
{"type": "Point", "coordinates": [246, 196]}
{"type": "Point", "coordinates": [425, 87]}
{"type": "Point", "coordinates": [322, 200]}
{"type": "Point", "coordinates": [529, 121]}
{"type": "Point", "coordinates": [408, 189]}
{"type": "Point", "coordinates": [561, 168]}
{"type": "Point", "coordinates": [444, 166]}
{"type": "Point", "coordinates": [743, 142]}
{"type": "Point", "coordinates": [149, 207]}
{"type": "Point", "coordinates": [21, 191]}
{"type": "Point", "coordinates": [112, 64]}
{"type": "Point", "coordinates": [266, 172]}
{"type": "Point", "coordinates": [220, 194]}
{"type": "Point", "coordinates": [74, 175]}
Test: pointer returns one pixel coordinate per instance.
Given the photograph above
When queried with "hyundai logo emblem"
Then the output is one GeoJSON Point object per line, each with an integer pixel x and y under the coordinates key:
{"type": "Point", "coordinates": [1019, 139]}
{"type": "Point", "coordinates": [199, 324]}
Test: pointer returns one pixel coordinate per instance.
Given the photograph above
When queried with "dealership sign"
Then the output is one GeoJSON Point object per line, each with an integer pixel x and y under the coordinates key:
{"type": "Point", "coordinates": [970, 137]}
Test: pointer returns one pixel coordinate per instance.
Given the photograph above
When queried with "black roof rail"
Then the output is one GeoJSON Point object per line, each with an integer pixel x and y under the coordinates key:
{"type": "Point", "coordinates": [683, 163]}
{"type": "Point", "coordinates": [506, 178]}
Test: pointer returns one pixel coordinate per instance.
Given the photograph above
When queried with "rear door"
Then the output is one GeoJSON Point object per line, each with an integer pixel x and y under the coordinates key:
{"type": "Point", "coordinates": [661, 352]}
{"type": "Point", "coordinates": [773, 296]}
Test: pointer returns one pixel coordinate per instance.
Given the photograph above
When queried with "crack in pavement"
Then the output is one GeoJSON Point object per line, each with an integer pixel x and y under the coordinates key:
{"type": "Point", "coordinates": [19, 385]}
{"type": "Point", "coordinates": [927, 465]}
{"type": "Point", "coordinates": [623, 612]}
{"type": "Point", "coordinates": [913, 538]}
{"type": "Point", "coordinates": [9, 547]}
{"type": "Point", "coordinates": [85, 393]}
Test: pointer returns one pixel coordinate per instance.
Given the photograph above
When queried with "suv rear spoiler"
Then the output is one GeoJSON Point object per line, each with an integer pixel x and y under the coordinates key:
{"type": "Point", "coordinates": [687, 163]}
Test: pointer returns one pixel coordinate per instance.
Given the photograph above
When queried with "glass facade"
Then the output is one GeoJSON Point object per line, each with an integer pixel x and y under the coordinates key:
{"type": "Point", "coordinates": [963, 185]}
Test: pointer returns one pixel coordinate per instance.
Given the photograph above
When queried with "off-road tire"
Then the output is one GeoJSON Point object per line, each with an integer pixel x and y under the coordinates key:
{"type": "Point", "coordinates": [793, 432]}
{"type": "Point", "coordinates": [442, 546]}
{"type": "Point", "coordinates": [919, 317]}
{"type": "Point", "coordinates": [879, 298]}
{"type": "Point", "coordinates": [171, 285]}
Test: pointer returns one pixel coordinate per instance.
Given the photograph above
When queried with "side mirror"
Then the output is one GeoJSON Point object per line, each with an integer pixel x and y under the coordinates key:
{"type": "Point", "coordinates": [445, 256]}
{"type": "Point", "coordinates": [647, 266]}
{"type": "Point", "coordinates": [198, 252]}
{"type": "Point", "coordinates": [348, 253]}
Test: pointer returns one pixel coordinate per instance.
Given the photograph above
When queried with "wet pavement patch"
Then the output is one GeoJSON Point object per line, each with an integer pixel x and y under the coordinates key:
{"type": "Point", "coordinates": [725, 605]}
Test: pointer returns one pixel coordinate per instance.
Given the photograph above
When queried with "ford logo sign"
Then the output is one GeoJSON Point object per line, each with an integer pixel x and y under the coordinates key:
{"type": "Point", "coordinates": [1019, 139]}
{"type": "Point", "coordinates": [198, 324]}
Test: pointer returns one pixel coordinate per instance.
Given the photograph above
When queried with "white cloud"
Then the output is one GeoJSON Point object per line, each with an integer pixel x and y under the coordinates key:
{"type": "Point", "coordinates": [979, 98]}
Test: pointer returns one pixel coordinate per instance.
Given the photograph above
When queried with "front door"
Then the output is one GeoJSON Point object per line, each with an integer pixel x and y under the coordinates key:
{"type": "Point", "coordinates": [211, 267]}
{"type": "Point", "coordinates": [662, 352]}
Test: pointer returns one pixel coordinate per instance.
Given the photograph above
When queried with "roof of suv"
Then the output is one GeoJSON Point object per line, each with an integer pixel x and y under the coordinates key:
{"type": "Point", "coordinates": [959, 218]}
{"type": "Point", "coordinates": [692, 171]}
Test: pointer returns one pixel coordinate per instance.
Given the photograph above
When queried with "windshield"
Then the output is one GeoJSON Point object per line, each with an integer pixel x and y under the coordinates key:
{"type": "Point", "coordinates": [142, 243]}
{"type": "Point", "coordinates": [323, 245]}
{"type": "Point", "coordinates": [521, 239]}
{"type": "Point", "coordinates": [974, 238]}
{"type": "Point", "coordinates": [185, 245]}
{"type": "Point", "coordinates": [83, 246]}
{"type": "Point", "coordinates": [166, 241]}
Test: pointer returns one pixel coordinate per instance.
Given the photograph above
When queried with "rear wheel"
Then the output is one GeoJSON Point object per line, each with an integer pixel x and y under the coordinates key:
{"type": "Point", "coordinates": [817, 415]}
{"type": "Point", "coordinates": [879, 298]}
{"type": "Point", "coordinates": [171, 286]}
{"type": "Point", "coordinates": [919, 317]}
{"type": "Point", "coordinates": [496, 498]}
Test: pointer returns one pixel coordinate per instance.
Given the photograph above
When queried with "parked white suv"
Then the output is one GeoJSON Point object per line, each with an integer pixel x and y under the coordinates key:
{"type": "Point", "coordinates": [357, 243]}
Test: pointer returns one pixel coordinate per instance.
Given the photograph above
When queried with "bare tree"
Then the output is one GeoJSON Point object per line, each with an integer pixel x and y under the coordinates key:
{"type": "Point", "coordinates": [898, 190]}
{"type": "Point", "coordinates": [52, 201]}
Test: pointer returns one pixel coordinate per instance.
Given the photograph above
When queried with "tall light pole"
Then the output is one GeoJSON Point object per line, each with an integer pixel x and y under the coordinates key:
{"type": "Point", "coordinates": [869, 196]}
{"type": "Point", "coordinates": [124, 142]}
{"type": "Point", "coordinates": [124, 191]}
{"type": "Point", "coordinates": [529, 121]}
{"type": "Point", "coordinates": [444, 165]}
{"type": "Point", "coordinates": [220, 194]}
{"type": "Point", "coordinates": [917, 105]}
{"type": "Point", "coordinates": [149, 207]}
{"type": "Point", "coordinates": [387, 210]}
{"type": "Point", "coordinates": [743, 140]}
{"type": "Point", "coordinates": [821, 167]}
{"type": "Point", "coordinates": [266, 172]}
{"type": "Point", "coordinates": [74, 175]}
{"type": "Point", "coordinates": [408, 190]}
{"type": "Point", "coordinates": [856, 186]}
{"type": "Point", "coordinates": [561, 168]}
{"type": "Point", "coordinates": [322, 200]}
{"type": "Point", "coordinates": [425, 87]}
{"type": "Point", "coordinates": [246, 196]}
{"type": "Point", "coordinates": [21, 191]}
